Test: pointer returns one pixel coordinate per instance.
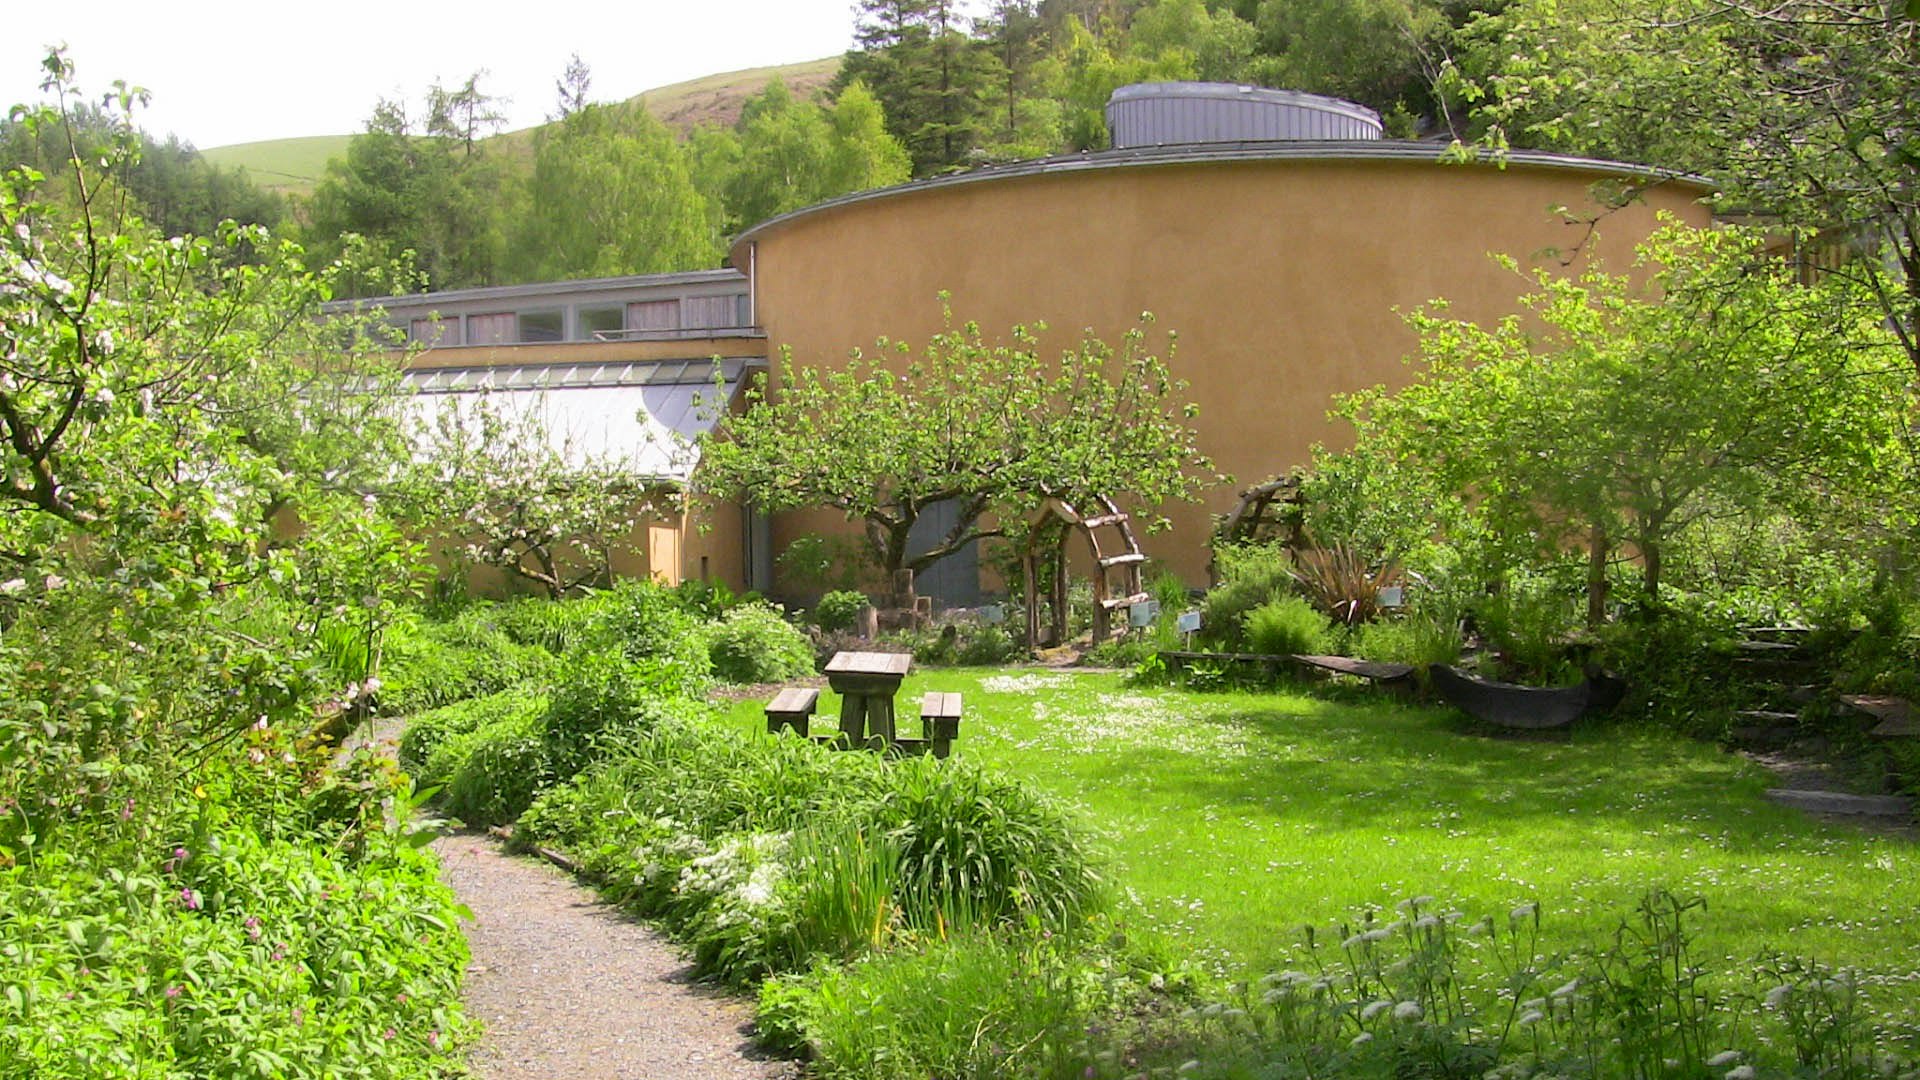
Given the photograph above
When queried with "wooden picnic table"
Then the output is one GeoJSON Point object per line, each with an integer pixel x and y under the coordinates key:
{"type": "Point", "coordinates": [867, 683]}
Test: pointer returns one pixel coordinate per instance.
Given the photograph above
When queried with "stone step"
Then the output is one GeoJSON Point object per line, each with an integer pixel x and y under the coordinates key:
{"type": "Point", "coordinates": [1837, 802]}
{"type": "Point", "coordinates": [1768, 716]}
{"type": "Point", "coordinates": [1895, 715]}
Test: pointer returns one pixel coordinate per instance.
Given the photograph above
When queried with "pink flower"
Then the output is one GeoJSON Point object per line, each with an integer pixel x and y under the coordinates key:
{"type": "Point", "coordinates": [191, 899]}
{"type": "Point", "coordinates": [433, 1039]}
{"type": "Point", "coordinates": [389, 1033]}
{"type": "Point", "coordinates": [173, 991]}
{"type": "Point", "coordinates": [253, 927]}
{"type": "Point", "coordinates": [299, 1016]}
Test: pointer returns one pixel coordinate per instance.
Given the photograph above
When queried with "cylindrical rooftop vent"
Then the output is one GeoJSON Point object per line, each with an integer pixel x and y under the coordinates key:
{"type": "Point", "coordinates": [1171, 113]}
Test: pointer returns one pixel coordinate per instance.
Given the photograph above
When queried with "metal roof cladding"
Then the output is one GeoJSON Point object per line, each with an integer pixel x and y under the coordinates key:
{"type": "Point", "coordinates": [1160, 114]}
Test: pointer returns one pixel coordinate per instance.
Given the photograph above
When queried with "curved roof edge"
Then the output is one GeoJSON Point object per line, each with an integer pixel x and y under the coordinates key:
{"type": "Point", "coordinates": [1226, 91]}
{"type": "Point", "coordinates": [1211, 153]}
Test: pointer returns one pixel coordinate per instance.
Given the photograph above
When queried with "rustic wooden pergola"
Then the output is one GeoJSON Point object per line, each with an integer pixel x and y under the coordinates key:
{"type": "Point", "coordinates": [1047, 532]}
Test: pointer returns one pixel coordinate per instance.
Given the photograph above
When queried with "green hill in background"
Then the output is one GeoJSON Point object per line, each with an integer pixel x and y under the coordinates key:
{"type": "Point", "coordinates": [293, 166]}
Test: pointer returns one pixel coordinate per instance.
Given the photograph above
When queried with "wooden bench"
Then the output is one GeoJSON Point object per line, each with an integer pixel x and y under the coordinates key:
{"type": "Point", "coordinates": [791, 708]}
{"type": "Point", "coordinates": [940, 721]}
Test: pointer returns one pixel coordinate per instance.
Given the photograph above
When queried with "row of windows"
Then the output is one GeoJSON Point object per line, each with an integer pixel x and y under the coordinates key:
{"type": "Point", "coordinates": [583, 322]}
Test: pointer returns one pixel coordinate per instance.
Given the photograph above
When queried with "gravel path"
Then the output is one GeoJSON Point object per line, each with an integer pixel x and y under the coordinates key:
{"type": "Point", "coordinates": [569, 988]}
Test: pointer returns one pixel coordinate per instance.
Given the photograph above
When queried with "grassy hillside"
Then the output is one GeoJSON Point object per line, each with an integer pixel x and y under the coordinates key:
{"type": "Point", "coordinates": [285, 165]}
{"type": "Point", "coordinates": [295, 165]}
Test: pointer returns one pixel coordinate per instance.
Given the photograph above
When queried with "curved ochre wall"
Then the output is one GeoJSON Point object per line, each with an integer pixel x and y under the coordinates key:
{"type": "Point", "coordinates": [1282, 279]}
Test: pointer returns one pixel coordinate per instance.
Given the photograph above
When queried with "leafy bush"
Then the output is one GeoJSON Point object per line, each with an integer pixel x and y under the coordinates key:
{"type": "Point", "coordinates": [1420, 638]}
{"type": "Point", "coordinates": [603, 699]}
{"type": "Point", "coordinates": [1250, 575]}
{"type": "Point", "coordinates": [707, 600]}
{"type": "Point", "coordinates": [226, 956]}
{"type": "Point", "coordinates": [825, 563]}
{"type": "Point", "coordinates": [1529, 623]}
{"type": "Point", "coordinates": [840, 610]}
{"type": "Point", "coordinates": [1678, 668]}
{"type": "Point", "coordinates": [428, 730]}
{"type": "Point", "coordinates": [754, 644]}
{"type": "Point", "coordinates": [737, 845]}
{"type": "Point", "coordinates": [993, 847]}
{"type": "Point", "coordinates": [1287, 625]}
{"type": "Point", "coordinates": [959, 644]}
{"type": "Point", "coordinates": [647, 622]}
{"type": "Point", "coordinates": [558, 626]}
{"type": "Point", "coordinates": [496, 770]}
{"type": "Point", "coordinates": [427, 664]}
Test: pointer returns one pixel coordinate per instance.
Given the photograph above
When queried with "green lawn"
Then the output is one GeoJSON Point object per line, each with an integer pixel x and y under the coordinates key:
{"type": "Point", "coordinates": [1236, 818]}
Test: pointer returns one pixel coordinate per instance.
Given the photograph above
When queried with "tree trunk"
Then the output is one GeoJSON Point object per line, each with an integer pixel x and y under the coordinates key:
{"type": "Point", "coordinates": [1650, 559]}
{"type": "Point", "coordinates": [1598, 548]}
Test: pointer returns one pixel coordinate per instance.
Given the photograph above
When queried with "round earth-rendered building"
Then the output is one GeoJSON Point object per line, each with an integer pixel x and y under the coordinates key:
{"type": "Point", "coordinates": [1281, 264]}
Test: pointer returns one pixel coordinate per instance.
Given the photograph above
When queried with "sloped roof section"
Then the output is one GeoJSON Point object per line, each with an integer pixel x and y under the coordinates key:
{"type": "Point", "coordinates": [643, 417]}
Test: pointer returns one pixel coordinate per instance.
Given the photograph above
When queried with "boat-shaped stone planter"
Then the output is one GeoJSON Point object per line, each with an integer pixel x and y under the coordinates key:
{"type": "Point", "coordinates": [1511, 705]}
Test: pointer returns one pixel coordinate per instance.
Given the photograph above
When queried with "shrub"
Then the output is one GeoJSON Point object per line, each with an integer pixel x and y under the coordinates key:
{"type": "Point", "coordinates": [679, 823]}
{"type": "Point", "coordinates": [1529, 623]}
{"type": "Point", "coordinates": [825, 563]}
{"type": "Point", "coordinates": [647, 622]}
{"type": "Point", "coordinates": [1287, 625]}
{"type": "Point", "coordinates": [1419, 638]}
{"type": "Point", "coordinates": [228, 960]}
{"type": "Point", "coordinates": [1250, 575]}
{"type": "Point", "coordinates": [604, 698]}
{"type": "Point", "coordinates": [706, 600]}
{"type": "Point", "coordinates": [1678, 668]}
{"type": "Point", "coordinates": [840, 610]}
{"type": "Point", "coordinates": [496, 770]}
{"type": "Point", "coordinates": [428, 730]}
{"type": "Point", "coordinates": [753, 644]}
{"type": "Point", "coordinates": [968, 644]}
{"type": "Point", "coordinates": [558, 626]}
{"type": "Point", "coordinates": [974, 842]}
{"type": "Point", "coordinates": [426, 664]}
{"type": "Point", "coordinates": [1344, 583]}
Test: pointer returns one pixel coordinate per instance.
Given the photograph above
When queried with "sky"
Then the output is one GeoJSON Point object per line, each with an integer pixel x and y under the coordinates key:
{"type": "Point", "coordinates": [222, 72]}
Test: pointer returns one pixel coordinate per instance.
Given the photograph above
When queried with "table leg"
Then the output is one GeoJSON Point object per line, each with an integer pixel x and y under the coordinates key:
{"type": "Point", "coordinates": [853, 718]}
